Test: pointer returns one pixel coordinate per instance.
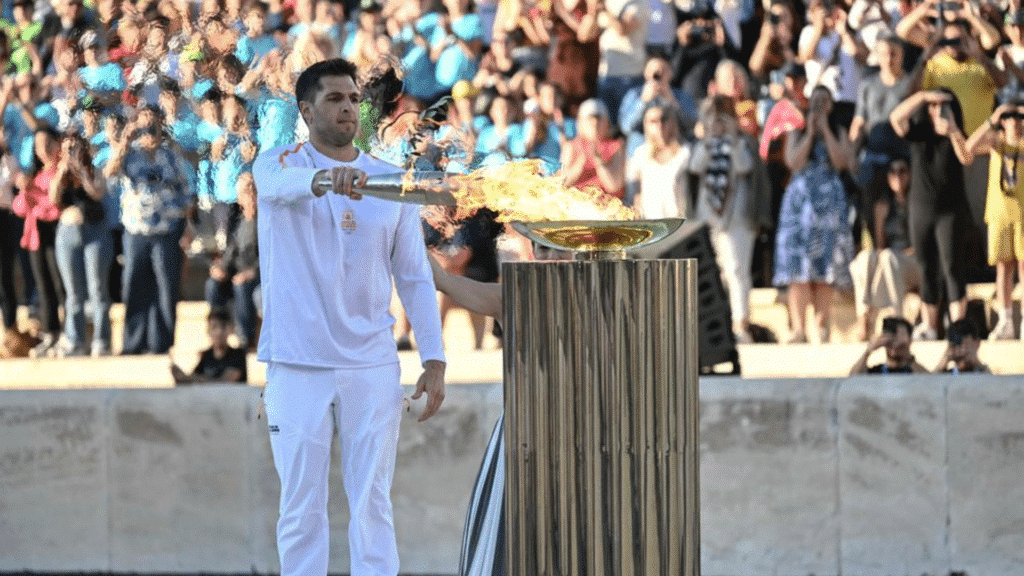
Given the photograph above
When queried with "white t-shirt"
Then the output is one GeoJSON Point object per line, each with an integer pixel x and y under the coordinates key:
{"type": "Point", "coordinates": [624, 56]}
{"type": "Point", "coordinates": [842, 76]}
{"type": "Point", "coordinates": [327, 266]}
{"type": "Point", "coordinates": [662, 193]}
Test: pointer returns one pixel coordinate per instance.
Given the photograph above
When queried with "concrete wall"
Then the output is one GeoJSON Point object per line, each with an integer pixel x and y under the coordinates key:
{"type": "Point", "coordinates": [884, 475]}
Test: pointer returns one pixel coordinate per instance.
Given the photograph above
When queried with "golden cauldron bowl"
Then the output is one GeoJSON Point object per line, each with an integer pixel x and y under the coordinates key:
{"type": "Point", "coordinates": [598, 239]}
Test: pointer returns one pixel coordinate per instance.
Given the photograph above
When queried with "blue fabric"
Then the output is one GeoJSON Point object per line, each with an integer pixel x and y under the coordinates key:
{"type": "Point", "coordinates": [183, 130]}
{"type": "Point", "coordinates": [226, 171]}
{"type": "Point", "coordinates": [200, 88]}
{"type": "Point", "coordinates": [453, 65]}
{"type": "Point", "coordinates": [19, 137]}
{"type": "Point", "coordinates": [420, 79]}
{"type": "Point", "coordinates": [84, 255]}
{"type": "Point", "coordinates": [109, 76]}
{"type": "Point", "coordinates": [276, 118]}
{"type": "Point", "coordinates": [468, 28]}
{"type": "Point", "coordinates": [150, 289]}
{"type": "Point", "coordinates": [814, 242]}
{"type": "Point", "coordinates": [251, 50]}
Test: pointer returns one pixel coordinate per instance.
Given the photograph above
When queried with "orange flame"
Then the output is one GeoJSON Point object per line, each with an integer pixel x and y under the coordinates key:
{"type": "Point", "coordinates": [518, 191]}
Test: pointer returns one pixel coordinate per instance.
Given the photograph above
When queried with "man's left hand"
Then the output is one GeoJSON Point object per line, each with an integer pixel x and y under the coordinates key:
{"type": "Point", "coordinates": [431, 382]}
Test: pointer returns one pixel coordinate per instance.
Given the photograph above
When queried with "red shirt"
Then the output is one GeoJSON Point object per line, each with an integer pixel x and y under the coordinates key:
{"type": "Point", "coordinates": [588, 177]}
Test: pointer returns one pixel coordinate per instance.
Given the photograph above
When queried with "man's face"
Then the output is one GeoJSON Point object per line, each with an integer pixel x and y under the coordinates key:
{"type": "Point", "coordinates": [897, 350]}
{"type": "Point", "coordinates": [656, 71]}
{"type": "Point", "coordinates": [965, 351]}
{"type": "Point", "coordinates": [333, 115]}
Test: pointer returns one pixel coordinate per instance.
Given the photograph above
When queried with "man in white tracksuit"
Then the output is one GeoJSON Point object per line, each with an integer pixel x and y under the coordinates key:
{"type": "Point", "coordinates": [328, 258]}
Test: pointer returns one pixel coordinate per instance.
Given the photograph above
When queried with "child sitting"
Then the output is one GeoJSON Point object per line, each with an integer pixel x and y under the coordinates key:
{"type": "Point", "coordinates": [220, 362]}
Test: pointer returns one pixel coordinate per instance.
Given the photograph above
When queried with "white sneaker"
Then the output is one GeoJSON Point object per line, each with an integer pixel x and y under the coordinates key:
{"type": "Point", "coordinates": [1003, 330]}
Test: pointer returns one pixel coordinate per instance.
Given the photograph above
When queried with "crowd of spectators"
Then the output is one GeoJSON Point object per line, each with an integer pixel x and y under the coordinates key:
{"type": "Point", "coordinates": [799, 131]}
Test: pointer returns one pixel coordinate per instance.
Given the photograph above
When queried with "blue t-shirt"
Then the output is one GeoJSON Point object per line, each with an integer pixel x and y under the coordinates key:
{"type": "Point", "coordinates": [420, 78]}
{"type": "Point", "coordinates": [251, 50]}
{"type": "Point", "coordinates": [103, 78]}
{"type": "Point", "coordinates": [200, 88]}
{"type": "Point", "coordinates": [226, 171]}
{"type": "Point", "coordinates": [206, 133]}
{"type": "Point", "coordinates": [20, 137]}
{"type": "Point", "coordinates": [276, 118]}
{"type": "Point", "coordinates": [183, 130]}
{"type": "Point", "coordinates": [453, 65]}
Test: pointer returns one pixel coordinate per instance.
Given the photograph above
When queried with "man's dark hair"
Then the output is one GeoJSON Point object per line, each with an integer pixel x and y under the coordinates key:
{"type": "Point", "coordinates": [308, 83]}
{"type": "Point", "coordinates": [212, 95]}
{"type": "Point", "coordinates": [220, 315]}
{"type": "Point", "coordinates": [960, 330]}
{"type": "Point", "coordinates": [169, 85]}
{"type": "Point", "coordinates": [892, 324]}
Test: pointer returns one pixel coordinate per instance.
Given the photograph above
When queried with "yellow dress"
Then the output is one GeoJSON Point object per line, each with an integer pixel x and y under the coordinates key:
{"type": "Point", "coordinates": [1003, 205]}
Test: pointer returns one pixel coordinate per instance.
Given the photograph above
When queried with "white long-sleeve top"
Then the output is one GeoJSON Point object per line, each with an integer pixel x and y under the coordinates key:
{"type": "Point", "coordinates": [327, 266]}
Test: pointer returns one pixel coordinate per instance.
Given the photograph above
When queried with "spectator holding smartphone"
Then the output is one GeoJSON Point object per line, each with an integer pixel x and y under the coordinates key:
{"type": "Point", "coordinates": [896, 338]}
{"type": "Point", "coordinates": [962, 350]}
{"type": "Point", "coordinates": [933, 125]}
{"type": "Point", "coordinates": [1002, 138]}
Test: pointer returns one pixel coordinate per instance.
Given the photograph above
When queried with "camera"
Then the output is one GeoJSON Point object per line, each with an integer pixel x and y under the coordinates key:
{"type": "Point", "coordinates": [950, 6]}
{"type": "Point", "coordinates": [698, 33]}
{"type": "Point", "coordinates": [949, 42]}
{"type": "Point", "coordinates": [890, 325]}
{"type": "Point", "coordinates": [774, 19]}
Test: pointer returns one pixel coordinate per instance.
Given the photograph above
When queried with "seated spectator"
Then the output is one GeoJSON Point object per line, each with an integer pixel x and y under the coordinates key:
{"type": "Point", "coordinates": [595, 158]}
{"type": "Point", "coordinates": [656, 174]}
{"type": "Point", "coordinates": [237, 272]}
{"type": "Point", "coordinates": [502, 139]}
{"type": "Point", "coordinates": [220, 362]}
{"type": "Point", "coordinates": [963, 341]}
{"type": "Point", "coordinates": [575, 56]}
{"type": "Point", "coordinates": [896, 338]}
{"type": "Point", "coordinates": [21, 36]}
{"type": "Point", "coordinates": [102, 79]}
{"type": "Point", "coordinates": [542, 137]}
{"type": "Point", "coordinates": [813, 243]}
{"type": "Point", "coordinates": [932, 124]}
{"type": "Point", "coordinates": [726, 166]}
{"type": "Point", "coordinates": [1002, 138]}
{"type": "Point", "coordinates": [884, 272]}
{"type": "Point", "coordinates": [256, 43]}
{"type": "Point", "coordinates": [456, 51]}
{"type": "Point", "coordinates": [655, 87]}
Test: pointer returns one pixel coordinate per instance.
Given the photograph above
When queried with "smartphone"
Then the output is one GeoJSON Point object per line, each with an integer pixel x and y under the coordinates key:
{"type": "Point", "coordinates": [890, 325]}
{"type": "Point", "coordinates": [950, 7]}
{"type": "Point", "coordinates": [774, 19]}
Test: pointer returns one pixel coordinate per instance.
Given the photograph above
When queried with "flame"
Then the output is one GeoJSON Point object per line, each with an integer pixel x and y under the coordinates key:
{"type": "Point", "coordinates": [518, 191]}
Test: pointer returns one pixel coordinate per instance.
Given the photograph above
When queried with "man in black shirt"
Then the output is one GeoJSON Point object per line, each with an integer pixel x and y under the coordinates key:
{"type": "Point", "coordinates": [220, 362]}
{"type": "Point", "coordinates": [896, 339]}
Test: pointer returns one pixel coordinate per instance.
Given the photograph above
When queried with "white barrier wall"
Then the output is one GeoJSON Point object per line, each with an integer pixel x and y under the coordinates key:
{"type": "Point", "coordinates": [872, 475]}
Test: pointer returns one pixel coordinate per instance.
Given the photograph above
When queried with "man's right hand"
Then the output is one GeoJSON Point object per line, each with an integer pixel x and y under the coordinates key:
{"type": "Point", "coordinates": [344, 180]}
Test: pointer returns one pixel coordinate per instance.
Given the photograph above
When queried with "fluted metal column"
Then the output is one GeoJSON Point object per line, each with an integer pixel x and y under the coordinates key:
{"type": "Point", "coordinates": [601, 418]}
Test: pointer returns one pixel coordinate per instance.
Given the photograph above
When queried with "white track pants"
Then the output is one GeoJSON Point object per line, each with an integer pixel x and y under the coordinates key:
{"type": "Point", "coordinates": [304, 405]}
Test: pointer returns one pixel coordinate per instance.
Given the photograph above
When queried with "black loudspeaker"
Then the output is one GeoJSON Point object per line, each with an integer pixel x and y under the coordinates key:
{"type": "Point", "coordinates": [714, 317]}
